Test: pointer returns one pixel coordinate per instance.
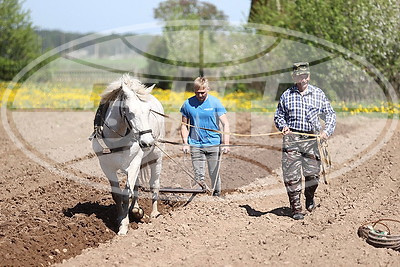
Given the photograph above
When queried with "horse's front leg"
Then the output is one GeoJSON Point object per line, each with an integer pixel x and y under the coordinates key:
{"type": "Point", "coordinates": [137, 211]}
{"type": "Point", "coordinates": [155, 186]}
{"type": "Point", "coordinates": [132, 172]}
{"type": "Point", "coordinates": [117, 196]}
{"type": "Point", "coordinates": [116, 192]}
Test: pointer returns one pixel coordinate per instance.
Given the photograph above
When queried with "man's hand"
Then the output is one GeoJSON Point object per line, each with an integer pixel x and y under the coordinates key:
{"type": "Point", "coordinates": [323, 136]}
{"type": "Point", "coordinates": [186, 149]}
{"type": "Point", "coordinates": [225, 149]}
{"type": "Point", "coordinates": [286, 130]}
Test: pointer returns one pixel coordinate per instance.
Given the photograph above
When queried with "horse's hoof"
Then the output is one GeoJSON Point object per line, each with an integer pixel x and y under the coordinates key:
{"type": "Point", "coordinates": [123, 230]}
{"type": "Point", "coordinates": [137, 213]}
{"type": "Point", "coordinates": [122, 233]}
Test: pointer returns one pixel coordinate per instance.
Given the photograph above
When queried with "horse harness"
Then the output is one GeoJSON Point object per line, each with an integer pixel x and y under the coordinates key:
{"type": "Point", "coordinates": [99, 123]}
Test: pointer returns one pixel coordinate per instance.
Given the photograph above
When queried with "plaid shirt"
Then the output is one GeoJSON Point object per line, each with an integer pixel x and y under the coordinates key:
{"type": "Point", "coordinates": [302, 112]}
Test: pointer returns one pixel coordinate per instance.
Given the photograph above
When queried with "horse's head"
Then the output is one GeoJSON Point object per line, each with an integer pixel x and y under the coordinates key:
{"type": "Point", "coordinates": [137, 110]}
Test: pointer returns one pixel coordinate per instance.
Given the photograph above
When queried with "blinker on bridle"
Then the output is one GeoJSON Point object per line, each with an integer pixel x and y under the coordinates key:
{"type": "Point", "coordinates": [130, 126]}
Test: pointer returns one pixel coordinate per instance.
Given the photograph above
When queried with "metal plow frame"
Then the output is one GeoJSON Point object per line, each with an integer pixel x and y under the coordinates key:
{"type": "Point", "coordinates": [177, 190]}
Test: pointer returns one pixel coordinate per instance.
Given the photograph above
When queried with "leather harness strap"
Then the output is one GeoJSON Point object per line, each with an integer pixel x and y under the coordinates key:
{"type": "Point", "coordinates": [99, 121]}
{"type": "Point", "coordinates": [111, 150]}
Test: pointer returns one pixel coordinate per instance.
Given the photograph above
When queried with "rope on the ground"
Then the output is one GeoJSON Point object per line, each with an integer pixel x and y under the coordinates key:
{"type": "Point", "coordinates": [379, 238]}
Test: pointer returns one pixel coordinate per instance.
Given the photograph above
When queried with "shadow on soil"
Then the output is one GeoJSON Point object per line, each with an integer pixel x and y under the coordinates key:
{"type": "Point", "coordinates": [282, 211]}
{"type": "Point", "coordinates": [106, 213]}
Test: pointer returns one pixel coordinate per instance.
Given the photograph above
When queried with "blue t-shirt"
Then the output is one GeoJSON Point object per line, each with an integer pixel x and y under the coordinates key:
{"type": "Point", "coordinates": [205, 115]}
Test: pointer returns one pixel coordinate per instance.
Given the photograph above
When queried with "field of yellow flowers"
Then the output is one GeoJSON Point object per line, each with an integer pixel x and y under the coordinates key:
{"type": "Point", "coordinates": [80, 98]}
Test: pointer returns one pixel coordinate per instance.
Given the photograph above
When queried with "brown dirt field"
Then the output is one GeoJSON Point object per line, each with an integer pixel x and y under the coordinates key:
{"type": "Point", "coordinates": [48, 218]}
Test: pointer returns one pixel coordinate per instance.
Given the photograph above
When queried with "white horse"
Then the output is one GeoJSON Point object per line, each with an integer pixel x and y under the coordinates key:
{"type": "Point", "coordinates": [125, 142]}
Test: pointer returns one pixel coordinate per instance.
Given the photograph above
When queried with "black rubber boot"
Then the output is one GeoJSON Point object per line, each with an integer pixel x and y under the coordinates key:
{"type": "Point", "coordinates": [295, 205]}
{"type": "Point", "coordinates": [298, 216]}
{"type": "Point", "coordinates": [309, 194]}
{"type": "Point", "coordinates": [310, 204]}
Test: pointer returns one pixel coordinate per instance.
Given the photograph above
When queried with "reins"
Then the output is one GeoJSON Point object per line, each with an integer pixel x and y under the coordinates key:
{"type": "Point", "coordinates": [233, 134]}
{"type": "Point", "coordinates": [322, 145]}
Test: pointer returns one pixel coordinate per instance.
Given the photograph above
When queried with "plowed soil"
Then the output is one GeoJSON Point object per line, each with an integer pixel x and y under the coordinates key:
{"type": "Point", "coordinates": [49, 218]}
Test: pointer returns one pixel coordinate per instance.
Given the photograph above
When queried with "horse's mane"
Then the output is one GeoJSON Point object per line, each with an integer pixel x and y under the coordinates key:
{"type": "Point", "coordinates": [114, 89]}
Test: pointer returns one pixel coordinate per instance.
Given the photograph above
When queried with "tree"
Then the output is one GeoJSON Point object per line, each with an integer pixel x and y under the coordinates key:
{"type": "Point", "coordinates": [370, 28]}
{"type": "Point", "coordinates": [187, 10]}
{"type": "Point", "coordinates": [18, 42]}
{"type": "Point", "coordinates": [179, 46]}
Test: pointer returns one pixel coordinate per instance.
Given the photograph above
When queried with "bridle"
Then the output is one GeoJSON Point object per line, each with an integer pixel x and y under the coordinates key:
{"type": "Point", "coordinates": [123, 112]}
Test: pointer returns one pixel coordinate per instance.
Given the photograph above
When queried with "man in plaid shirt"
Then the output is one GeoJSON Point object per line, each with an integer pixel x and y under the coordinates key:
{"type": "Point", "coordinates": [299, 110]}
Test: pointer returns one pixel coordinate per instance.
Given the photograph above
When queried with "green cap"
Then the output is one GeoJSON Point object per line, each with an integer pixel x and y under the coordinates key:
{"type": "Point", "coordinates": [300, 68]}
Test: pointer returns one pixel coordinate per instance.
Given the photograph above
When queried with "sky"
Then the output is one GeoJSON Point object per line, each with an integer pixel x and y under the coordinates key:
{"type": "Point", "coordinates": [84, 16]}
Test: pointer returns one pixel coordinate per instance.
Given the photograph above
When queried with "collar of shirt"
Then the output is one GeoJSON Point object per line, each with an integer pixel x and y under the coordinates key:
{"type": "Point", "coordinates": [310, 89]}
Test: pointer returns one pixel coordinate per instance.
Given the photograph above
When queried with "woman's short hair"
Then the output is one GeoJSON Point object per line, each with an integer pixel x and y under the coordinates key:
{"type": "Point", "coordinates": [200, 82]}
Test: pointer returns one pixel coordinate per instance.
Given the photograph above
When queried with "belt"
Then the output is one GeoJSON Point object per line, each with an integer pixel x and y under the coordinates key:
{"type": "Point", "coordinates": [306, 132]}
